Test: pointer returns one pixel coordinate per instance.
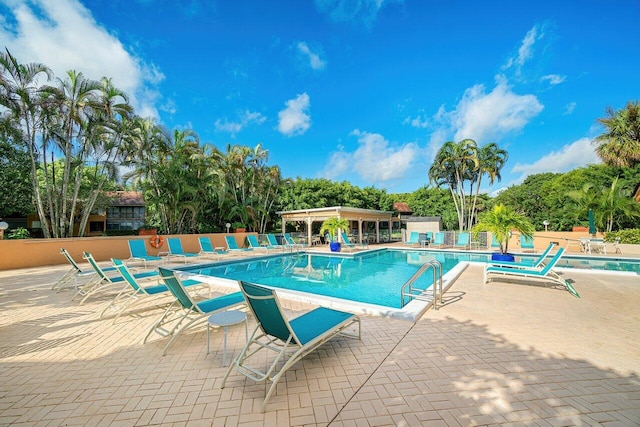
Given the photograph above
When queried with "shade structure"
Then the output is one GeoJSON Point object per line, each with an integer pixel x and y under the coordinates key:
{"type": "Point", "coordinates": [592, 223]}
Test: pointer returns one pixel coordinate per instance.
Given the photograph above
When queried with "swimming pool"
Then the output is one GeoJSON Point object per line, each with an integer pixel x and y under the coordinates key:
{"type": "Point", "coordinates": [371, 278]}
{"type": "Point", "coordinates": [585, 262]}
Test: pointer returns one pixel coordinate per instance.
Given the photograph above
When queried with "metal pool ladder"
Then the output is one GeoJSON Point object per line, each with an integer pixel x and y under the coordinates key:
{"type": "Point", "coordinates": [409, 291]}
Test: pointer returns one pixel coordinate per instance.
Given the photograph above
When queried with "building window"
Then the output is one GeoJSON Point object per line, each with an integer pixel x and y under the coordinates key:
{"type": "Point", "coordinates": [126, 212]}
{"type": "Point", "coordinates": [96, 226]}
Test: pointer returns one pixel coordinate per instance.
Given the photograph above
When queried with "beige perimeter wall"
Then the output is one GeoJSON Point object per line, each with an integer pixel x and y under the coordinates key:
{"type": "Point", "coordinates": [39, 252]}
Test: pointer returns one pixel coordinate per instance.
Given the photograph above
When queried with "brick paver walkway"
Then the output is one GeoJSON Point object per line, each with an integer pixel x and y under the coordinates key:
{"type": "Point", "coordinates": [495, 354]}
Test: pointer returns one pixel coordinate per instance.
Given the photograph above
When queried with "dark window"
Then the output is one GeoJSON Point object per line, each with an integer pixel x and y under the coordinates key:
{"type": "Point", "coordinates": [96, 226]}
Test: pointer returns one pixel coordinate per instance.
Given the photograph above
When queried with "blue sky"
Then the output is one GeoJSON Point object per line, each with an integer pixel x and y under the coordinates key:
{"type": "Point", "coordinates": [357, 90]}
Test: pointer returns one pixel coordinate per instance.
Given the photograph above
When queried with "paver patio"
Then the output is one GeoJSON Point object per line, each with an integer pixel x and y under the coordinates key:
{"type": "Point", "coordinates": [495, 354]}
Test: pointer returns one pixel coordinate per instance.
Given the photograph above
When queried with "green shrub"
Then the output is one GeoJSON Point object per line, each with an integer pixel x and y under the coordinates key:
{"type": "Point", "coordinates": [18, 233]}
{"type": "Point", "coordinates": [629, 236]}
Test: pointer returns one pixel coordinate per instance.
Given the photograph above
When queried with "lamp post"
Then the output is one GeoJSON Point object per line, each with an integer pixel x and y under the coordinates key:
{"type": "Point", "coordinates": [3, 226]}
{"type": "Point", "coordinates": [546, 225]}
{"type": "Point", "coordinates": [228, 225]}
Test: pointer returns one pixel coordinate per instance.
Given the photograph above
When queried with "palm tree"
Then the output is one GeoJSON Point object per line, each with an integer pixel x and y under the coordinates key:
{"type": "Point", "coordinates": [19, 93]}
{"type": "Point", "coordinates": [457, 163]}
{"type": "Point", "coordinates": [108, 129]}
{"type": "Point", "coordinates": [454, 164]}
{"type": "Point", "coordinates": [606, 203]}
{"type": "Point", "coordinates": [144, 149]}
{"type": "Point", "coordinates": [500, 221]}
{"type": "Point", "coordinates": [620, 144]}
{"type": "Point", "coordinates": [491, 159]}
{"type": "Point", "coordinates": [332, 225]}
{"type": "Point", "coordinates": [614, 201]}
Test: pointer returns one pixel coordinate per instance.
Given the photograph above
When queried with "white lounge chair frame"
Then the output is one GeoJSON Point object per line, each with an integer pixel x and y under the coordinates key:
{"type": "Point", "coordinates": [184, 312]}
{"type": "Point", "coordinates": [546, 274]}
{"type": "Point", "coordinates": [71, 276]}
{"type": "Point", "coordinates": [277, 334]}
{"type": "Point", "coordinates": [175, 250]}
{"type": "Point", "coordinates": [207, 249]}
{"type": "Point", "coordinates": [101, 280]}
{"type": "Point", "coordinates": [134, 292]}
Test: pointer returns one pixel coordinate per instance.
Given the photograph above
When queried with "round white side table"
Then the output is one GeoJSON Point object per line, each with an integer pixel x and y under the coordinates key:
{"type": "Point", "coordinates": [225, 319]}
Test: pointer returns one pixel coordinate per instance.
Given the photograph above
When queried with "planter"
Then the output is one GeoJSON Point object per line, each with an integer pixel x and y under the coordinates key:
{"type": "Point", "coordinates": [497, 256]}
{"type": "Point", "coordinates": [147, 232]}
{"type": "Point", "coordinates": [240, 230]}
{"type": "Point", "coordinates": [334, 246]}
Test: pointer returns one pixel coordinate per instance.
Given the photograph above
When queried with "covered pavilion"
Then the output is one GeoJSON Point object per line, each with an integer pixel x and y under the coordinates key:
{"type": "Point", "coordinates": [353, 215]}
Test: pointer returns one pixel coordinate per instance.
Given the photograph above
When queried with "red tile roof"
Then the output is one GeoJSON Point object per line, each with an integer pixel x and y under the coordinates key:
{"type": "Point", "coordinates": [401, 207]}
{"type": "Point", "coordinates": [126, 198]}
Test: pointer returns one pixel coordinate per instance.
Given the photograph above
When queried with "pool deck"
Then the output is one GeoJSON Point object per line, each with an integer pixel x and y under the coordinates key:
{"type": "Point", "coordinates": [496, 354]}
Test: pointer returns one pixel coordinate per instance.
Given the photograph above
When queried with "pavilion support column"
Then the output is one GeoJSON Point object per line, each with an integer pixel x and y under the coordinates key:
{"type": "Point", "coordinates": [309, 223]}
{"type": "Point", "coordinates": [377, 230]}
{"type": "Point", "coordinates": [360, 230]}
{"type": "Point", "coordinates": [284, 226]}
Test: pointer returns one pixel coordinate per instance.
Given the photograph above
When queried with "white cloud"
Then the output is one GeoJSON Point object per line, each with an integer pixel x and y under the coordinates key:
{"type": "Point", "coordinates": [436, 140]}
{"type": "Point", "coordinates": [294, 119]}
{"type": "Point", "coordinates": [554, 79]}
{"type": "Point", "coordinates": [568, 109]}
{"type": "Point", "coordinates": [525, 52]}
{"type": "Point", "coordinates": [246, 118]}
{"type": "Point", "coordinates": [354, 11]}
{"type": "Point", "coordinates": [63, 35]}
{"type": "Point", "coordinates": [482, 116]}
{"type": "Point", "coordinates": [577, 154]}
{"type": "Point", "coordinates": [420, 122]}
{"type": "Point", "coordinates": [375, 160]}
{"type": "Point", "coordinates": [315, 61]}
{"type": "Point", "coordinates": [338, 164]}
{"type": "Point", "coordinates": [230, 127]}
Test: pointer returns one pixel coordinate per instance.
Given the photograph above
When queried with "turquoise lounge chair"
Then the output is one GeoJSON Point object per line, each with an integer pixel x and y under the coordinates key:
{"type": "Point", "coordinates": [438, 240]}
{"type": "Point", "coordinates": [291, 244]}
{"type": "Point", "coordinates": [414, 238]}
{"type": "Point", "coordinates": [74, 274]}
{"type": "Point", "coordinates": [233, 247]}
{"type": "Point", "coordinates": [545, 274]}
{"type": "Point", "coordinates": [429, 236]}
{"type": "Point", "coordinates": [207, 249]}
{"type": "Point", "coordinates": [255, 244]}
{"type": "Point", "coordinates": [526, 243]}
{"type": "Point", "coordinates": [526, 264]}
{"type": "Point", "coordinates": [463, 241]}
{"type": "Point", "coordinates": [102, 280]}
{"type": "Point", "coordinates": [273, 242]}
{"type": "Point", "coordinates": [139, 252]}
{"type": "Point", "coordinates": [346, 243]}
{"type": "Point", "coordinates": [289, 340]}
{"type": "Point", "coordinates": [186, 309]}
{"type": "Point", "coordinates": [134, 291]}
{"type": "Point", "coordinates": [175, 250]}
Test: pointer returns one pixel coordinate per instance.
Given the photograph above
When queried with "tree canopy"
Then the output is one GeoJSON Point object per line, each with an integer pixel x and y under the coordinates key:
{"type": "Point", "coordinates": [63, 142]}
{"type": "Point", "coordinates": [619, 145]}
{"type": "Point", "coordinates": [462, 164]}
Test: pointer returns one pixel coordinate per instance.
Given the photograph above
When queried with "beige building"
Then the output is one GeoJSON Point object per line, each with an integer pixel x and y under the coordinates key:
{"type": "Point", "coordinates": [359, 220]}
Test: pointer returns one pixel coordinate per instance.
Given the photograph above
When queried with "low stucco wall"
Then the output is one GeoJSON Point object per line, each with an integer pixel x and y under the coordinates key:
{"type": "Point", "coordinates": [40, 252]}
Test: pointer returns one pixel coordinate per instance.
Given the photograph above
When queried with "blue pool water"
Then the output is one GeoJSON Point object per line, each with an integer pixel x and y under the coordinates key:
{"type": "Point", "coordinates": [373, 277]}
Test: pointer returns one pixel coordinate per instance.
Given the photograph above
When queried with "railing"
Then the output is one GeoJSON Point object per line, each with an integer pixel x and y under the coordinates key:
{"type": "Point", "coordinates": [410, 292]}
